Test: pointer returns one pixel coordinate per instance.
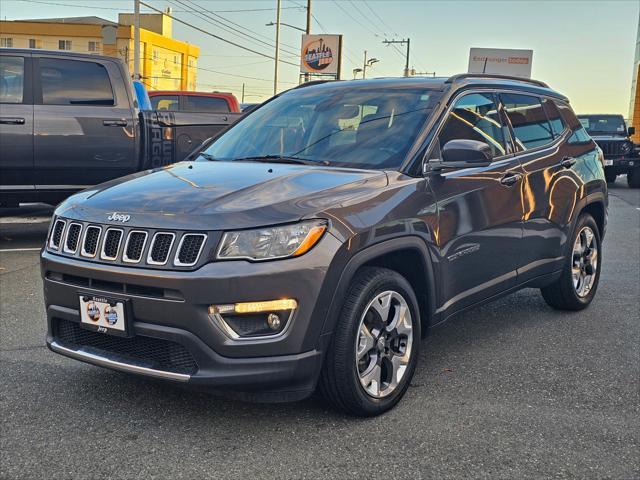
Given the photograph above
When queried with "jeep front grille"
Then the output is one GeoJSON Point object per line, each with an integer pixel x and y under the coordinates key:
{"type": "Point", "coordinates": [610, 148]}
{"type": "Point", "coordinates": [90, 243]}
{"type": "Point", "coordinates": [111, 244]}
{"type": "Point", "coordinates": [189, 249]}
{"type": "Point", "coordinates": [134, 246]}
{"type": "Point", "coordinates": [131, 246]}
{"type": "Point", "coordinates": [160, 248]}
{"type": "Point", "coordinates": [73, 238]}
{"type": "Point", "coordinates": [56, 234]}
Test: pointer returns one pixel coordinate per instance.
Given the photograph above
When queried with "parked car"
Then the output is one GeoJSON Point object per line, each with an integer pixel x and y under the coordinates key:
{"type": "Point", "coordinates": [612, 135]}
{"type": "Point", "coordinates": [321, 237]}
{"type": "Point", "coordinates": [69, 121]}
{"type": "Point", "coordinates": [184, 101]}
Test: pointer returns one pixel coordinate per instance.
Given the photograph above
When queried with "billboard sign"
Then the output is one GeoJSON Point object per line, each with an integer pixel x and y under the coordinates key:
{"type": "Point", "coordinates": [501, 61]}
{"type": "Point", "coordinates": [321, 54]}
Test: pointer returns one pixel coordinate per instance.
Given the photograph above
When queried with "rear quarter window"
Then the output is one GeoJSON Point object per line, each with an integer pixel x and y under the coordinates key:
{"type": "Point", "coordinates": [11, 79]}
{"type": "Point", "coordinates": [528, 119]}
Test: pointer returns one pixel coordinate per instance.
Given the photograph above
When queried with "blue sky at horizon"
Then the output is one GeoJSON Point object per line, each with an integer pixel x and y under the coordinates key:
{"type": "Point", "coordinates": [584, 49]}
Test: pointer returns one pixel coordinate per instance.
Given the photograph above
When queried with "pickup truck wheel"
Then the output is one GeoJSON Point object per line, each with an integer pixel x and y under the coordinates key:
{"type": "Point", "coordinates": [578, 282]}
{"type": "Point", "coordinates": [610, 176]}
{"type": "Point", "coordinates": [374, 349]}
{"type": "Point", "coordinates": [633, 178]}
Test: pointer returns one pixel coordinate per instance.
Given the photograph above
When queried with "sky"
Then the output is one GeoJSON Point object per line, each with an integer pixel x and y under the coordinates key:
{"type": "Point", "coordinates": [584, 49]}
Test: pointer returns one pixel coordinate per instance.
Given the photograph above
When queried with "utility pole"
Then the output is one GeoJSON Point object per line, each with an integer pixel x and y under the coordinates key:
{"type": "Point", "coordinates": [402, 42]}
{"type": "Point", "coordinates": [242, 92]}
{"type": "Point", "coordinates": [136, 39]}
{"type": "Point", "coordinates": [307, 77]}
{"type": "Point", "coordinates": [275, 73]}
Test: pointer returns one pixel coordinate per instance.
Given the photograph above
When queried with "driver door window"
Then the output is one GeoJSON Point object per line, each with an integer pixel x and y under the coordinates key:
{"type": "Point", "coordinates": [475, 117]}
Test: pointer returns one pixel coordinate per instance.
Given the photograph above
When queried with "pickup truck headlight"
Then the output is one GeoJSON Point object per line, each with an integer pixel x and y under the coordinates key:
{"type": "Point", "coordinates": [626, 147]}
{"type": "Point", "coordinates": [271, 242]}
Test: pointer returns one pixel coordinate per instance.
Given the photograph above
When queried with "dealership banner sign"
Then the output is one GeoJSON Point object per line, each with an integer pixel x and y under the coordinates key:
{"type": "Point", "coordinates": [321, 54]}
{"type": "Point", "coordinates": [502, 61]}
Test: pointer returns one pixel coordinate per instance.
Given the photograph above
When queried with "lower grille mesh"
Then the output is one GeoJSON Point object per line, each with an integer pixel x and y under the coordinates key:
{"type": "Point", "coordinates": [161, 247]}
{"type": "Point", "coordinates": [135, 244]}
{"type": "Point", "coordinates": [91, 240]}
{"type": "Point", "coordinates": [73, 236]}
{"type": "Point", "coordinates": [112, 243]}
{"type": "Point", "coordinates": [56, 236]}
{"type": "Point", "coordinates": [146, 351]}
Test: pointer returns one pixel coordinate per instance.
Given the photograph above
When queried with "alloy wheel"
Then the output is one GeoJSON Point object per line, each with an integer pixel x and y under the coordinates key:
{"type": "Point", "coordinates": [584, 265]}
{"type": "Point", "coordinates": [384, 344]}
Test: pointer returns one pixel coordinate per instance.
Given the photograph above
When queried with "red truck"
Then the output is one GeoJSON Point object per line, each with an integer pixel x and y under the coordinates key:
{"type": "Point", "coordinates": [183, 101]}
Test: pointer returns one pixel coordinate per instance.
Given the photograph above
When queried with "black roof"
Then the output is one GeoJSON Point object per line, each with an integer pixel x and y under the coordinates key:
{"type": "Point", "coordinates": [57, 53]}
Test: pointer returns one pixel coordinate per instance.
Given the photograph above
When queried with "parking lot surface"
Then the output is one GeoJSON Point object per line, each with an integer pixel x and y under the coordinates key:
{"type": "Point", "coordinates": [510, 390]}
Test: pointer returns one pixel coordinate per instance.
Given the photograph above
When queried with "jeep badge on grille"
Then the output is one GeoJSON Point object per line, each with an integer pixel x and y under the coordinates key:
{"type": "Point", "coordinates": [119, 217]}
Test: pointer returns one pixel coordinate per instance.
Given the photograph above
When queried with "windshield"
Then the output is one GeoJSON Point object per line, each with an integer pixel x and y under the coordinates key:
{"type": "Point", "coordinates": [360, 127]}
{"type": "Point", "coordinates": [611, 124]}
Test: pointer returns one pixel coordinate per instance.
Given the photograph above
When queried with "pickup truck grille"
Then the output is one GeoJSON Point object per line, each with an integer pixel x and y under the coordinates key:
{"type": "Point", "coordinates": [129, 246]}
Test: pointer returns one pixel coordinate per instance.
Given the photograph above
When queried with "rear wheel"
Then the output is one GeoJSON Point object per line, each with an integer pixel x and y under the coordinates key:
{"type": "Point", "coordinates": [578, 282]}
{"type": "Point", "coordinates": [374, 349]}
{"type": "Point", "coordinates": [610, 176]}
{"type": "Point", "coordinates": [633, 178]}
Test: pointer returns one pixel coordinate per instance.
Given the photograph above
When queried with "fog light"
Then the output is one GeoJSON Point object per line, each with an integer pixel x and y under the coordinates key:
{"type": "Point", "coordinates": [273, 321]}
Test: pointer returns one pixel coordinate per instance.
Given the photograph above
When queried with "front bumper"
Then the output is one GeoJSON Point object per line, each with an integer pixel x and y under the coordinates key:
{"type": "Point", "coordinates": [172, 306]}
{"type": "Point", "coordinates": [621, 164]}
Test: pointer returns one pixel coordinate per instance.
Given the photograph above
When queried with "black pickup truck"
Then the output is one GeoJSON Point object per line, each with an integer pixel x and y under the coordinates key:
{"type": "Point", "coordinates": [69, 121]}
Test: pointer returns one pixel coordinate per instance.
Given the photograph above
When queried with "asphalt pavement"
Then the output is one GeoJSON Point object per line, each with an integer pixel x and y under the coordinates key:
{"type": "Point", "coordinates": [511, 390]}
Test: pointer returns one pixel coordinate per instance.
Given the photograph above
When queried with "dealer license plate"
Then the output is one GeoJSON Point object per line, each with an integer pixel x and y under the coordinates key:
{"type": "Point", "coordinates": [102, 314]}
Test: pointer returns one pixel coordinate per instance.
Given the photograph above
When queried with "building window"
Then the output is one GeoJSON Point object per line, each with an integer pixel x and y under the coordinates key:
{"type": "Point", "coordinates": [94, 46]}
{"type": "Point", "coordinates": [156, 56]}
{"type": "Point", "coordinates": [175, 60]}
{"type": "Point", "coordinates": [6, 42]}
{"type": "Point", "coordinates": [64, 44]}
{"type": "Point", "coordinates": [35, 43]}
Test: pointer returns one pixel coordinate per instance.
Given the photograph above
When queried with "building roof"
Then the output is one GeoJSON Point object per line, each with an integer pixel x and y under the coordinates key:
{"type": "Point", "coordinates": [92, 20]}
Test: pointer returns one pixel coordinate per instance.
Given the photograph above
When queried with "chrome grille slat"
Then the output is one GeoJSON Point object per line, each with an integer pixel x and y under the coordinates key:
{"type": "Point", "coordinates": [56, 234]}
{"type": "Point", "coordinates": [134, 246]}
{"type": "Point", "coordinates": [91, 241]}
{"type": "Point", "coordinates": [160, 248]}
{"type": "Point", "coordinates": [72, 238]}
{"type": "Point", "coordinates": [189, 249]}
{"type": "Point", "coordinates": [111, 243]}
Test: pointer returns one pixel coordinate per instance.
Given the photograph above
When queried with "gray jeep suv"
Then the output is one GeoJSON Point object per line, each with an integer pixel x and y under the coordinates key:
{"type": "Point", "coordinates": [319, 239]}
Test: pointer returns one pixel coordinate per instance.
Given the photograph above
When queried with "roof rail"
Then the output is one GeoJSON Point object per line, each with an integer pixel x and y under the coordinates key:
{"type": "Point", "coordinates": [462, 76]}
{"type": "Point", "coordinates": [310, 83]}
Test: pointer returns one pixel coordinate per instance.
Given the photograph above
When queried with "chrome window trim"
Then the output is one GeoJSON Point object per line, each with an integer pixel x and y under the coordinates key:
{"type": "Point", "coordinates": [150, 261]}
{"type": "Point", "coordinates": [64, 226]}
{"type": "Point", "coordinates": [83, 252]}
{"type": "Point", "coordinates": [176, 260]}
{"type": "Point", "coordinates": [125, 258]}
{"type": "Point", "coordinates": [66, 237]}
{"type": "Point", "coordinates": [106, 233]}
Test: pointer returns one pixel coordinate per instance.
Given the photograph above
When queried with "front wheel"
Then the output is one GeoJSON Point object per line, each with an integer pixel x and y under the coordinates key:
{"type": "Point", "coordinates": [578, 282]}
{"type": "Point", "coordinates": [633, 178]}
{"type": "Point", "coordinates": [610, 176]}
{"type": "Point", "coordinates": [374, 349]}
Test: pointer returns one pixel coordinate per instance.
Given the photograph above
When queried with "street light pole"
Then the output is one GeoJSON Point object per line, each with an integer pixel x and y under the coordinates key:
{"type": "Point", "coordinates": [364, 66]}
{"type": "Point", "coordinates": [307, 77]}
{"type": "Point", "coordinates": [402, 42]}
{"type": "Point", "coordinates": [275, 72]}
{"type": "Point", "coordinates": [136, 39]}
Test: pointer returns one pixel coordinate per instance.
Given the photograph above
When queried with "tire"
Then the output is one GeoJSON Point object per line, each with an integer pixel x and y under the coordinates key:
{"type": "Point", "coordinates": [565, 294]}
{"type": "Point", "coordinates": [343, 377]}
{"type": "Point", "coordinates": [633, 178]}
{"type": "Point", "coordinates": [610, 176]}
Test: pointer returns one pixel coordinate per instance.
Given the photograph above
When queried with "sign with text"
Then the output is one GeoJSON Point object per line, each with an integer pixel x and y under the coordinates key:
{"type": "Point", "coordinates": [501, 61]}
{"type": "Point", "coordinates": [321, 54]}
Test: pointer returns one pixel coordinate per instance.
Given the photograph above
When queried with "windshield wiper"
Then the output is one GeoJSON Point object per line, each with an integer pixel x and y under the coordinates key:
{"type": "Point", "coordinates": [281, 159]}
{"type": "Point", "coordinates": [207, 156]}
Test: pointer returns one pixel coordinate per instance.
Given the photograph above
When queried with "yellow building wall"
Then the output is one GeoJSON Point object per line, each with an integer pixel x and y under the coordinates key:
{"type": "Point", "coordinates": [166, 63]}
{"type": "Point", "coordinates": [636, 107]}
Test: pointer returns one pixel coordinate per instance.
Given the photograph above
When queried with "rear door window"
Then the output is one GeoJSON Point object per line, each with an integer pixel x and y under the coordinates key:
{"type": "Point", "coordinates": [74, 82]}
{"type": "Point", "coordinates": [165, 102]}
{"type": "Point", "coordinates": [553, 114]}
{"type": "Point", "coordinates": [475, 117]}
{"type": "Point", "coordinates": [11, 79]}
{"type": "Point", "coordinates": [197, 103]}
{"type": "Point", "coordinates": [528, 119]}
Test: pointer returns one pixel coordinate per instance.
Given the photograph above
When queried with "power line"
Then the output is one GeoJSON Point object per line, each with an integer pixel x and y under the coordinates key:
{"type": "Point", "coordinates": [382, 22]}
{"type": "Point", "coordinates": [215, 36]}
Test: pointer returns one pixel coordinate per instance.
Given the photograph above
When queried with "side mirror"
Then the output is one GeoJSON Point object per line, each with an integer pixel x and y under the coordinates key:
{"type": "Point", "coordinates": [631, 130]}
{"type": "Point", "coordinates": [464, 154]}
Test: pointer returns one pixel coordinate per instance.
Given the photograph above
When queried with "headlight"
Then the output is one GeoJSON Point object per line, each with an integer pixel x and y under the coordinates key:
{"type": "Point", "coordinates": [626, 147]}
{"type": "Point", "coordinates": [271, 242]}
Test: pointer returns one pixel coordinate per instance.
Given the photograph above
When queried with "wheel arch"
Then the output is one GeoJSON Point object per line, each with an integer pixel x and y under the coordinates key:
{"type": "Point", "coordinates": [409, 256]}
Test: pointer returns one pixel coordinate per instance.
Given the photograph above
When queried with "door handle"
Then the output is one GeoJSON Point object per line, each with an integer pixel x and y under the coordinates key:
{"type": "Point", "coordinates": [12, 121]}
{"type": "Point", "coordinates": [114, 123]}
{"type": "Point", "coordinates": [568, 162]}
{"type": "Point", "coordinates": [510, 179]}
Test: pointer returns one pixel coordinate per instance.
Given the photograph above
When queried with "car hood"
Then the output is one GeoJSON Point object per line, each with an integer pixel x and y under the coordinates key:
{"type": "Point", "coordinates": [221, 195]}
